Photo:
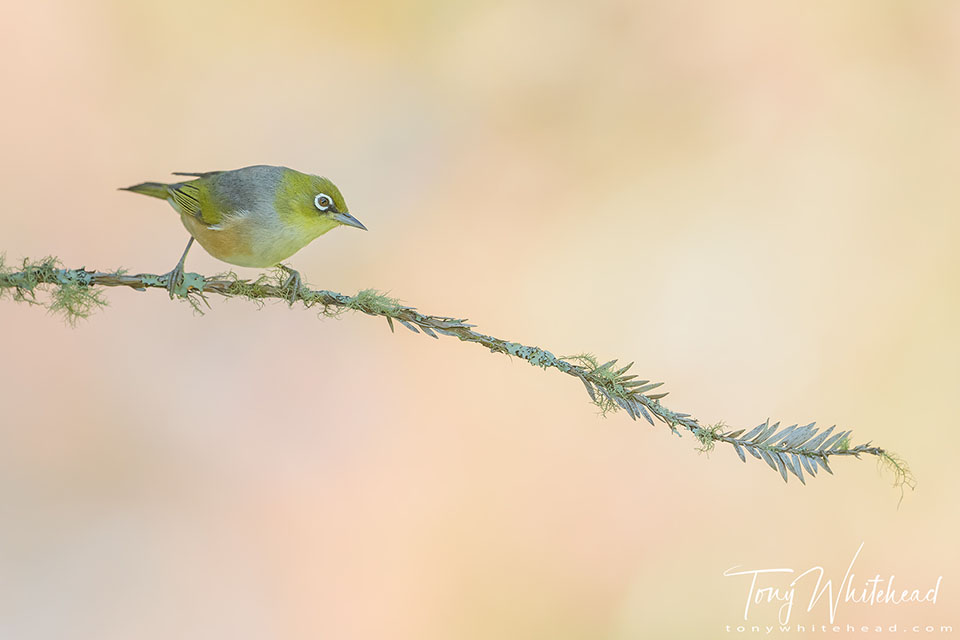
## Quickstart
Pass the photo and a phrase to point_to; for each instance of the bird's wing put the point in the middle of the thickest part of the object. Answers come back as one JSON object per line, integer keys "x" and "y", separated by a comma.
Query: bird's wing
{"x": 199, "y": 174}
{"x": 215, "y": 195}
{"x": 193, "y": 198}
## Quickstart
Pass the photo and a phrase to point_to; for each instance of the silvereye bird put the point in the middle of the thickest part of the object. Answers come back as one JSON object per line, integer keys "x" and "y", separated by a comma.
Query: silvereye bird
{"x": 252, "y": 217}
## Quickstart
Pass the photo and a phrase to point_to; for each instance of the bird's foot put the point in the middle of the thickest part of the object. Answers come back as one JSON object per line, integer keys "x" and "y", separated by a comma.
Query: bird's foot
{"x": 175, "y": 280}
{"x": 176, "y": 284}
{"x": 293, "y": 285}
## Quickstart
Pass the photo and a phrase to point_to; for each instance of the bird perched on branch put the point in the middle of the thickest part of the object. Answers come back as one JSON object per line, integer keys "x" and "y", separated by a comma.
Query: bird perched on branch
{"x": 252, "y": 217}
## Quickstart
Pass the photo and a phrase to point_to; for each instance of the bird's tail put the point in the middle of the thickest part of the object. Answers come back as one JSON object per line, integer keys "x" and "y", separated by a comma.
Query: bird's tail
{"x": 152, "y": 189}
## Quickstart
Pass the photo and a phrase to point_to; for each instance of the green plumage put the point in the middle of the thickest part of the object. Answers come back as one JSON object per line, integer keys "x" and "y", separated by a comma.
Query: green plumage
{"x": 255, "y": 216}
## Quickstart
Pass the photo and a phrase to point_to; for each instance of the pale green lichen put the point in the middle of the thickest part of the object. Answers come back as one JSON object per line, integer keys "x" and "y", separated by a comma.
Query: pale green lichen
{"x": 607, "y": 376}
{"x": 605, "y": 372}
{"x": 150, "y": 280}
{"x": 708, "y": 436}
{"x": 534, "y": 355}
{"x": 237, "y": 287}
{"x": 5, "y": 273}
{"x": 75, "y": 302}
{"x": 903, "y": 477}
{"x": 75, "y": 294}
{"x": 191, "y": 282}
{"x": 588, "y": 361}
{"x": 71, "y": 295}
{"x": 541, "y": 358}
{"x": 373, "y": 302}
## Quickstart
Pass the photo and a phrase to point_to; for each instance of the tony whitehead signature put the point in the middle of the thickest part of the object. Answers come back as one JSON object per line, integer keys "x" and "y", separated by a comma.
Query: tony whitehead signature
{"x": 873, "y": 591}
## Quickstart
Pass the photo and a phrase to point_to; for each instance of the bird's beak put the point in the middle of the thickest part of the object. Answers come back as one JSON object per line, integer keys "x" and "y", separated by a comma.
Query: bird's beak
{"x": 349, "y": 220}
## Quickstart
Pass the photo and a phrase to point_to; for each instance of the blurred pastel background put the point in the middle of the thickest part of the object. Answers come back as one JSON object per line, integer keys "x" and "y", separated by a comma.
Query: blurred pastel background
{"x": 755, "y": 201}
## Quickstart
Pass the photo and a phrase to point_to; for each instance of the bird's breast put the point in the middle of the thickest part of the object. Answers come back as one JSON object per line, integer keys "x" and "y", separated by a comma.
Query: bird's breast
{"x": 248, "y": 239}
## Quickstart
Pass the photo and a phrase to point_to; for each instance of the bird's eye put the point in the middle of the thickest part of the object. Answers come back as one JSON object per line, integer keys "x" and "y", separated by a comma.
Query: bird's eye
{"x": 323, "y": 201}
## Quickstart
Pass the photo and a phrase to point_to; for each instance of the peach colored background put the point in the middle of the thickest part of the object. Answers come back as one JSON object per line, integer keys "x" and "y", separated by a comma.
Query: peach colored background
{"x": 755, "y": 201}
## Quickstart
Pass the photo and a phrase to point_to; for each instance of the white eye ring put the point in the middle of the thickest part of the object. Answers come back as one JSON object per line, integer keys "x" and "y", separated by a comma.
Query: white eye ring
{"x": 323, "y": 201}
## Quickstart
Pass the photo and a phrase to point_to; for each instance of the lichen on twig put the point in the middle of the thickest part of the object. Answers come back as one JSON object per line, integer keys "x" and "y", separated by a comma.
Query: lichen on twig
{"x": 802, "y": 451}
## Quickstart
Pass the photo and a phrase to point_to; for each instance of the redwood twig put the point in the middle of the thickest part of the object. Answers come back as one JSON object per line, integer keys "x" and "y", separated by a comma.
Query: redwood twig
{"x": 793, "y": 449}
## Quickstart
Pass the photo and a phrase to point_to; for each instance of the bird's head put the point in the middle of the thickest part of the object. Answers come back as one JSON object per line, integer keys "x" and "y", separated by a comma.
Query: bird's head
{"x": 312, "y": 203}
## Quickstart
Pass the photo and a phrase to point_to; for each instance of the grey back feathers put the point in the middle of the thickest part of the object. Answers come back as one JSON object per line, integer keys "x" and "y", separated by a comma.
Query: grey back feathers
{"x": 231, "y": 193}
{"x": 251, "y": 188}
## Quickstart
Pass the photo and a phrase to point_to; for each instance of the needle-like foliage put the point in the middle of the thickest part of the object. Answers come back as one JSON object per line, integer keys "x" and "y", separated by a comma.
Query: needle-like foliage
{"x": 801, "y": 451}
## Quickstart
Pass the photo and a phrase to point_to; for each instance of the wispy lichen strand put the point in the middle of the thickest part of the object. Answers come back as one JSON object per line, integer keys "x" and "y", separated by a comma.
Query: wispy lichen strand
{"x": 802, "y": 451}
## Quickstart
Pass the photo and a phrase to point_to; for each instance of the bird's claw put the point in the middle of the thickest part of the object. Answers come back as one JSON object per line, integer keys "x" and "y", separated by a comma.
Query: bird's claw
{"x": 293, "y": 284}
{"x": 174, "y": 280}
